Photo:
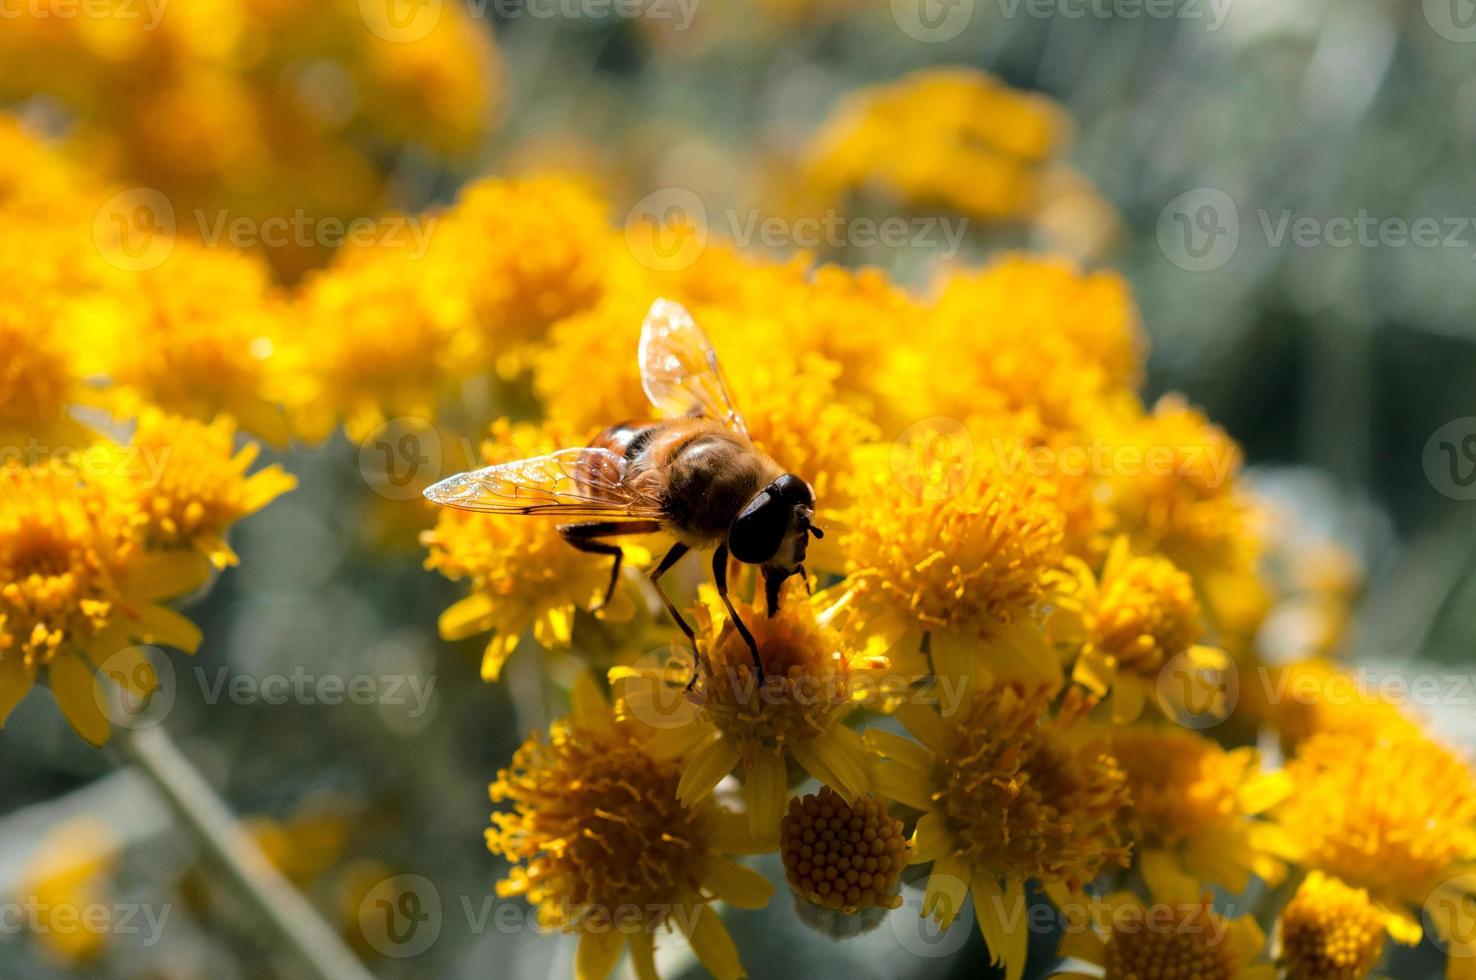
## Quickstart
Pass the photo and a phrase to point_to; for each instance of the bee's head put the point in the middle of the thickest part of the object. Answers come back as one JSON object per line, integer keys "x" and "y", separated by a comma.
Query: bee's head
{"x": 774, "y": 527}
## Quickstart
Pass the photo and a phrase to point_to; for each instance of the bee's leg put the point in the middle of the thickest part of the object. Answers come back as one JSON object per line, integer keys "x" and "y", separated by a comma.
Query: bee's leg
{"x": 720, "y": 576}
{"x": 672, "y": 557}
{"x": 583, "y": 536}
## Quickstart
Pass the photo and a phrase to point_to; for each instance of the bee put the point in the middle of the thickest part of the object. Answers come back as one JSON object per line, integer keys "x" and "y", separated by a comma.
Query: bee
{"x": 693, "y": 473}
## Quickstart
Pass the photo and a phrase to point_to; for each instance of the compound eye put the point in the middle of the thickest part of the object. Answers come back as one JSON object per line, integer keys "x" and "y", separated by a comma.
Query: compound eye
{"x": 758, "y": 531}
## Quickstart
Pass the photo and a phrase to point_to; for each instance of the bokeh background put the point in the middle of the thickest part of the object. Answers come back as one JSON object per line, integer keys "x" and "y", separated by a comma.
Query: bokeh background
{"x": 1182, "y": 144}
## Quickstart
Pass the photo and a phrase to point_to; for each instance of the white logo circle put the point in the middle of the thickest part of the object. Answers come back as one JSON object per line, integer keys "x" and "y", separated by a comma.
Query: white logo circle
{"x": 134, "y": 230}
{"x": 932, "y": 21}
{"x": 401, "y": 21}
{"x": 1449, "y": 459}
{"x": 921, "y": 935}
{"x": 1454, "y": 20}
{"x": 401, "y": 916}
{"x": 1199, "y": 690}
{"x": 667, "y": 229}
{"x": 401, "y": 457}
{"x": 1199, "y": 230}
{"x": 136, "y": 687}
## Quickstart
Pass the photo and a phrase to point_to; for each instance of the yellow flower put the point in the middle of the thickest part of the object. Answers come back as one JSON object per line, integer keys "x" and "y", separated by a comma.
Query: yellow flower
{"x": 811, "y": 682}
{"x": 1329, "y": 931}
{"x": 66, "y": 884}
{"x": 189, "y": 483}
{"x": 528, "y": 253}
{"x": 969, "y": 571}
{"x": 1176, "y": 936}
{"x": 1182, "y": 495}
{"x": 1195, "y": 806}
{"x": 1009, "y": 793}
{"x": 40, "y": 376}
{"x": 523, "y": 574}
{"x": 1384, "y": 810}
{"x": 381, "y": 336}
{"x": 602, "y": 846}
{"x": 950, "y": 137}
{"x": 1127, "y": 623}
{"x": 200, "y": 335}
{"x": 78, "y": 592}
{"x": 842, "y": 856}
{"x": 1023, "y": 335}
{"x": 1315, "y": 696}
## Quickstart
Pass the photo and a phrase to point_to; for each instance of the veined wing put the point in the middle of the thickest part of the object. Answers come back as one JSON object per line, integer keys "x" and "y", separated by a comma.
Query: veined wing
{"x": 680, "y": 370}
{"x": 568, "y": 483}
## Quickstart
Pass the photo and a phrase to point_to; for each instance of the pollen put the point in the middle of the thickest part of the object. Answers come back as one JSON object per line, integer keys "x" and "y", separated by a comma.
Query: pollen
{"x": 973, "y": 562}
{"x": 61, "y": 548}
{"x": 1178, "y": 945}
{"x": 190, "y": 484}
{"x": 1388, "y": 811}
{"x": 842, "y": 857}
{"x": 595, "y": 825}
{"x": 807, "y": 681}
{"x": 1330, "y": 931}
{"x": 1146, "y": 613}
{"x": 1029, "y": 797}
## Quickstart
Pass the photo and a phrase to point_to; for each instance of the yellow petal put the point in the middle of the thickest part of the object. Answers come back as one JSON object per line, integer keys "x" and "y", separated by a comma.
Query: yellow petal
{"x": 731, "y": 882}
{"x": 766, "y": 786}
{"x": 156, "y": 624}
{"x": 947, "y": 886}
{"x": 728, "y": 834}
{"x": 74, "y": 686}
{"x": 1128, "y": 698}
{"x": 499, "y": 648}
{"x": 167, "y": 574}
{"x": 131, "y": 669}
{"x": 643, "y": 955}
{"x": 955, "y": 656}
{"x": 1166, "y": 881}
{"x": 598, "y": 954}
{"x": 712, "y": 760}
{"x": 925, "y": 724}
{"x": 15, "y": 684}
{"x": 468, "y": 617}
{"x": 904, "y": 784}
{"x": 1095, "y": 671}
{"x": 710, "y": 941}
{"x": 588, "y": 706}
{"x": 904, "y": 750}
{"x": 931, "y": 840}
{"x": 838, "y": 759}
{"x": 988, "y": 902}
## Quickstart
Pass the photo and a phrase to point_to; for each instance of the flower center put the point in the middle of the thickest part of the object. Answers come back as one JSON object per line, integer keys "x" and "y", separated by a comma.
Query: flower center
{"x": 596, "y": 824}
{"x": 1025, "y": 802}
{"x": 1183, "y": 950}
{"x": 845, "y": 857}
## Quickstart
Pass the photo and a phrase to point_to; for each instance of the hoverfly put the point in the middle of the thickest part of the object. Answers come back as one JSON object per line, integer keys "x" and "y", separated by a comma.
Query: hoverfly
{"x": 693, "y": 473}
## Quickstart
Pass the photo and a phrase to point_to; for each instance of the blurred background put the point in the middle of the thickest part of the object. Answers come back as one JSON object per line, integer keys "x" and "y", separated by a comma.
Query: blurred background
{"x": 1286, "y": 184}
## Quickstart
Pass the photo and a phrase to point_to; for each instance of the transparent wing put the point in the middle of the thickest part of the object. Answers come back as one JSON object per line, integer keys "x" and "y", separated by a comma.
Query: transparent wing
{"x": 680, "y": 370}
{"x": 567, "y": 483}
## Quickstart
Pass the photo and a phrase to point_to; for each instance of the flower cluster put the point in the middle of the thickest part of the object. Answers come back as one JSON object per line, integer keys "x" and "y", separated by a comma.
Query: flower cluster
{"x": 1010, "y": 656}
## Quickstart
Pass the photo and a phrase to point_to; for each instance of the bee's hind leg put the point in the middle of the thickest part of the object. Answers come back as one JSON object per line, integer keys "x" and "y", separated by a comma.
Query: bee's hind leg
{"x": 720, "y": 576}
{"x": 585, "y": 537}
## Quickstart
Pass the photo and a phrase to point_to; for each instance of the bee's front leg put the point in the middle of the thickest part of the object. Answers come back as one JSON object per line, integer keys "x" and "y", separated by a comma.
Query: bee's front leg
{"x": 720, "y": 576}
